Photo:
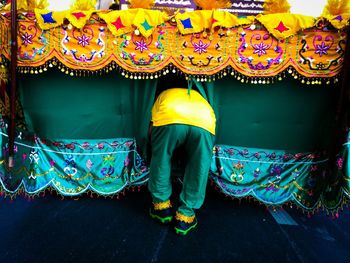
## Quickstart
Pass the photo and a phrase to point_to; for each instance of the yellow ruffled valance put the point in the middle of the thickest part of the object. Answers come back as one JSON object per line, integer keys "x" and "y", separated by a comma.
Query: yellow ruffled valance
{"x": 146, "y": 21}
{"x": 285, "y": 25}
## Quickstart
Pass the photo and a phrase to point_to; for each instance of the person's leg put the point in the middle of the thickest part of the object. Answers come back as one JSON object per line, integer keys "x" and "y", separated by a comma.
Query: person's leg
{"x": 199, "y": 147}
{"x": 164, "y": 139}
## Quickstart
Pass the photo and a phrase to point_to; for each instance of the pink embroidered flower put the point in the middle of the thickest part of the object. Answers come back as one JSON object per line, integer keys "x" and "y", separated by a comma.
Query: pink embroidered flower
{"x": 86, "y": 145}
{"x": 157, "y": 44}
{"x": 89, "y": 164}
{"x": 141, "y": 45}
{"x": 83, "y": 40}
{"x": 70, "y": 146}
{"x": 314, "y": 168}
{"x": 52, "y": 163}
{"x": 239, "y": 165}
{"x": 340, "y": 163}
{"x": 27, "y": 39}
{"x": 200, "y": 47}
{"x": 100, "y": 145}
{"x": 260, "y": 48}
{"x": 126, "y": 162}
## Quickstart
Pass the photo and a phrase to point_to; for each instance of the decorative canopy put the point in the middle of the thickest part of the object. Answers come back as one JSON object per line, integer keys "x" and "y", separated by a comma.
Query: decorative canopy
{"x": 148, "y": 43}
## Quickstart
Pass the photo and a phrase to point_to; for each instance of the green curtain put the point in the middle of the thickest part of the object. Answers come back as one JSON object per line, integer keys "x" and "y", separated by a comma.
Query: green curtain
{"x": 284, "y": 115}
{"x": 95, "y": 107}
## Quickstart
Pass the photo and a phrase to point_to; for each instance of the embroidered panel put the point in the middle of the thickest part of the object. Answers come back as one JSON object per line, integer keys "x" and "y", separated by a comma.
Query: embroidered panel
{"x": 141, "y": 44}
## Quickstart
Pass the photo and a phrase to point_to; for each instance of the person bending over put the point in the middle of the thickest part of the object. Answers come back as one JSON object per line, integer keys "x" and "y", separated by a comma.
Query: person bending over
{"x": 180, "y": 117}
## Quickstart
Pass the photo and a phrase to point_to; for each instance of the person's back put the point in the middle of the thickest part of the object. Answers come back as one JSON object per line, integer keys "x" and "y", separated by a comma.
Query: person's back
{"x": 179, "y": 106}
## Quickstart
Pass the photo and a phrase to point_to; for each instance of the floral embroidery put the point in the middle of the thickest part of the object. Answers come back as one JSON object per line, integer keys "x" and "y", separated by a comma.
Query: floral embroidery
{"x": 83, "y": 40}
{"x": 323, "y": 45}
{"x": 266, "y": 42}
{"x": 27, "y": 38}
{"x": 257, "y": 172}
{"x": 340, "y": 163}
{"x": 237, "y": 172}
{"x": 200, "y": 47}
{"x": 260, "y": 48}
{"x": 141, "y": 45}
{"x": 89, "y": 164}
{"x": 52, "y": 163}
{"x": 322, "y": 49}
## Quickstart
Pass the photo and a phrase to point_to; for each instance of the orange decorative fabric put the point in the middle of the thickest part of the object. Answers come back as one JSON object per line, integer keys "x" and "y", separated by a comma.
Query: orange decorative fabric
{"x": 244, "y": 51}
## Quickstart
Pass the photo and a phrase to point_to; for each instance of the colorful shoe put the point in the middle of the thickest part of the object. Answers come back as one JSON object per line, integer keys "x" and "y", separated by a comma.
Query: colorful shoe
{"x": 184, "y": 224}
{"x": 161, "y": 212}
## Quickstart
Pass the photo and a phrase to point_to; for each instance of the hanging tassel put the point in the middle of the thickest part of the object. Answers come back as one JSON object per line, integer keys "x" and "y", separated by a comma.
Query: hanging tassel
{"x": 146, "y": 4}
{"x": 276, "y": 6}
{"x": 336, "y": 7}
{"x": 215, "y": 4}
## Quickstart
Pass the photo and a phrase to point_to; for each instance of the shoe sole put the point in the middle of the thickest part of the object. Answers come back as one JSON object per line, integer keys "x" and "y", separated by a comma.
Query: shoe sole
{"x": 163, "y": 220}
{"x": 184, "y": 232}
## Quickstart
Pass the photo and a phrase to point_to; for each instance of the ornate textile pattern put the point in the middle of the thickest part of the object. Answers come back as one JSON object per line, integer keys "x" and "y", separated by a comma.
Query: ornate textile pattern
{"x": 272, "y": 177}
{"x": 71, "y": 167}
{"x": 146, "y": 45}
{"x": 107, "y": 167}
{"x": 339, "y": 184}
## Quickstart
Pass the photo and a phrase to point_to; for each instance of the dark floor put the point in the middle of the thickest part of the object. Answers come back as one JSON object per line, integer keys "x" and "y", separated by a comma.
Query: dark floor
{"x": 49, "y": 229}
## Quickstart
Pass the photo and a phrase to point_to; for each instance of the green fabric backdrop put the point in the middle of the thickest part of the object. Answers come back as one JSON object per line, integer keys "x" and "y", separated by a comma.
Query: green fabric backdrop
{"x": 284, "y": 115}
{"x": 271, "y": 142}
{"x": 94, "y": 107}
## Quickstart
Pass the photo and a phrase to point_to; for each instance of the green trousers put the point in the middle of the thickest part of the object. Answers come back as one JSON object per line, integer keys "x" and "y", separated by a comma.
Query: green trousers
{"x": 198, "y": 144}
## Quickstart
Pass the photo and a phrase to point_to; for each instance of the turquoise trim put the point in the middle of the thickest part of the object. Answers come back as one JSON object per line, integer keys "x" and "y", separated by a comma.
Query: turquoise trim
{"x": 105, "y": 167}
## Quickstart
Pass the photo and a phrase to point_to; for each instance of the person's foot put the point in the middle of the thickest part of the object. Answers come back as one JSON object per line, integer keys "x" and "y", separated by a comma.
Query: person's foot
{"x": 161, "y": 212}
{"x": 184, "y": 224}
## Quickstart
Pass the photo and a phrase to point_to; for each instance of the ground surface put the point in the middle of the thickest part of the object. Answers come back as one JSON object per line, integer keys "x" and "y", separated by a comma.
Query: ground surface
{"x": 49, "y": 229}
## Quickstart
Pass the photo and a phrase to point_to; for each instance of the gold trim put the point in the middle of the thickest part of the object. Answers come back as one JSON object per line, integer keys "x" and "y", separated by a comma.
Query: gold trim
{"x": 183, "y": 218}
{"x": 162, "y": 205}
